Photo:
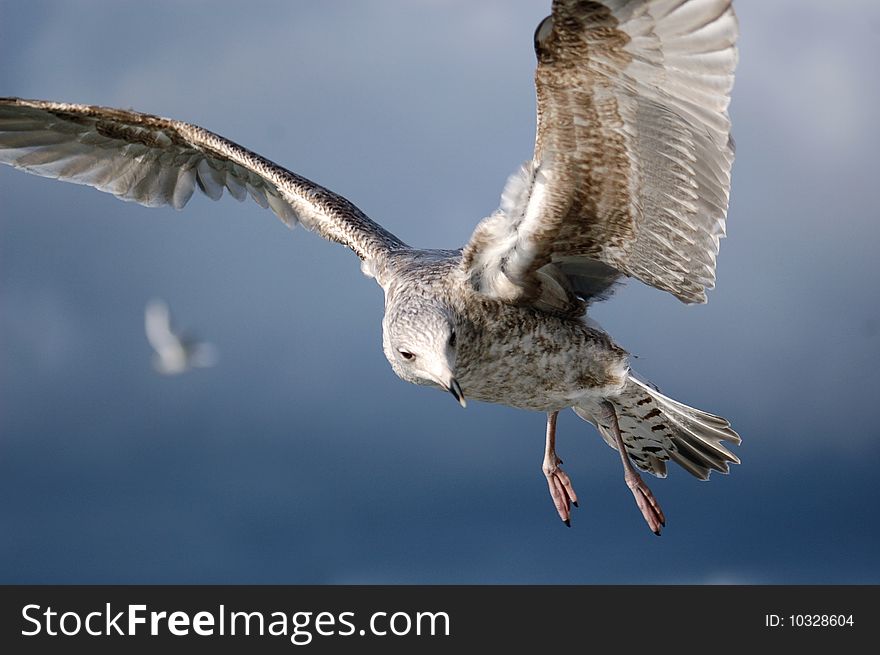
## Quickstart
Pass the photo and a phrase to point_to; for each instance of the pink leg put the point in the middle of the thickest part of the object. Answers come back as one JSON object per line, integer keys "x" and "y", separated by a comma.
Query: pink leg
{"x": 648, "y": 505}
{"x": 557, "y": 480}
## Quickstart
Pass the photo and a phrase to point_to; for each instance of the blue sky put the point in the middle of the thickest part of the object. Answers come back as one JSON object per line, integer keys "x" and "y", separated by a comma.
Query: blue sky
{"x": 301, "y": 458}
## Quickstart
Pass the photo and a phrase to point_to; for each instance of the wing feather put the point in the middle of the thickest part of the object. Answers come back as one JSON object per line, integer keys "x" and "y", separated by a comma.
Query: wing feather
{"x": 157, "y": 161}
{"x": 631, "y": 170}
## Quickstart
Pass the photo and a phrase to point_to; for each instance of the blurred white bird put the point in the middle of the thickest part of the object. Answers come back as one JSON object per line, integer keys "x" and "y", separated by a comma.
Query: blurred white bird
{"x": 176, "y": 352}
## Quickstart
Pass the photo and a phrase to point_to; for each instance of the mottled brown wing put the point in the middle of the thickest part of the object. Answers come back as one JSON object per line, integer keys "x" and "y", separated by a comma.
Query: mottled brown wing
{"x": 158, "y": 161}
{"x": 631, "y": 170}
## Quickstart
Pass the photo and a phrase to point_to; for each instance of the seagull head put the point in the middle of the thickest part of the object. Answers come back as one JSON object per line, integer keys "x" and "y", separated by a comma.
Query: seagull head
{"x": 420, "y": 342}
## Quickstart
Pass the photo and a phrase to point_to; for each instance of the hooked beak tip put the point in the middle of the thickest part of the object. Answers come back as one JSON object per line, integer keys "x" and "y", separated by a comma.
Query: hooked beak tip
{"x": 455, "y": 390}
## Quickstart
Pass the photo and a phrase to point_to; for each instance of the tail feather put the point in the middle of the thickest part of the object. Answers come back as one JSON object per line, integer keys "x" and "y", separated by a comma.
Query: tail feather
{"x": 656, "y": 428}
{"x": 694, "y": 459}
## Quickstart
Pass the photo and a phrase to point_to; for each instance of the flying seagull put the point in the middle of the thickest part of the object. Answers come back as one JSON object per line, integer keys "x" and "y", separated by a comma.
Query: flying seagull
{"x": 630, "y": 177}
{"x": 175, "y": 352}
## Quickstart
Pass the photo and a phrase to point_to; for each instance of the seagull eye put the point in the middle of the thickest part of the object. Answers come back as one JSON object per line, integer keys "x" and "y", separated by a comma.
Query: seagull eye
{"x": 406, "y": 354}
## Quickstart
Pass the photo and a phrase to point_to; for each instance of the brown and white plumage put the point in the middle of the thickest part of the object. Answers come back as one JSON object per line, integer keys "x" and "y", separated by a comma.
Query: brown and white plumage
{"x": 157, "y": 161}
{"x": 631, "y": 170}
{"x": 630, "y": 177}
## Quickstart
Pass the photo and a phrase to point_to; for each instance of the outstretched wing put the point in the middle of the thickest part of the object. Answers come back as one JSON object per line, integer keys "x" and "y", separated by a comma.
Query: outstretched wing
{"x": 631, "y": 170}
{"x": 157, "y": 161}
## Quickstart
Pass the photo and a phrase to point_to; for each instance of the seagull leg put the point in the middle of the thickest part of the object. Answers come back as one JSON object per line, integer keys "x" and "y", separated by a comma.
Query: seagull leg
{"x": 648, "y": 505}
{"x": 557, "y": 480}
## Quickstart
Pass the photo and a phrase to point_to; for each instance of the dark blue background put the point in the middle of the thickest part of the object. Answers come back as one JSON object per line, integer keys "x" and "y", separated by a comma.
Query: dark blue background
{"x": 301, "y": 458}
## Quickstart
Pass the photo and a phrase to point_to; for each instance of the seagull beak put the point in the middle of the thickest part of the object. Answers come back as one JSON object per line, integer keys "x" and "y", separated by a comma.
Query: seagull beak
{"x": 455, "y": 389}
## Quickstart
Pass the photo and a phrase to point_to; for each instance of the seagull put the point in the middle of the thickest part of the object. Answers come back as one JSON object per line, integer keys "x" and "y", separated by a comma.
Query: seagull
{"x": 175, "y": 352}
{"x": 630, "y": 178}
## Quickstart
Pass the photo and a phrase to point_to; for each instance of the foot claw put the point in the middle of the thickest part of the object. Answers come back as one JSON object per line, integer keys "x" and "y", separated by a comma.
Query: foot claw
{"x": 567, "y": 523}
{"x": 645, "y": 500}
{"x": 561, "y": 491}
{"x": 647, "y": 504}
